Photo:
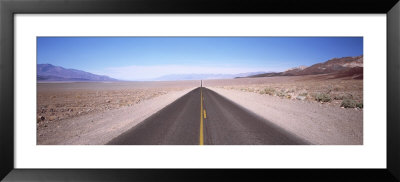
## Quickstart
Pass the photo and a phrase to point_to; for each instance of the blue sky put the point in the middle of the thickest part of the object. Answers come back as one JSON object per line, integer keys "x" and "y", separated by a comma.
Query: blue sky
{"x": 142, "y": 58}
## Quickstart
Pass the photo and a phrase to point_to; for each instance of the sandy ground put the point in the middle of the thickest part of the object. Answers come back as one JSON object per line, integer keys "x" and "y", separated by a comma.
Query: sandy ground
{"x": 99, "y": 128}
{"x": 298, "y": 87}
{"x": 58, "y": 101}
{"x": 315, "y": 122}
{"x": 94, "y": 113}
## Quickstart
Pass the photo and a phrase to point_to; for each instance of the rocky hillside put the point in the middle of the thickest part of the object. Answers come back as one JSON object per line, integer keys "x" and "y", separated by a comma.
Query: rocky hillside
{"x": 330, "y": 66}
{"x": 340, "y": 67}
{"x": 294, "y": 71}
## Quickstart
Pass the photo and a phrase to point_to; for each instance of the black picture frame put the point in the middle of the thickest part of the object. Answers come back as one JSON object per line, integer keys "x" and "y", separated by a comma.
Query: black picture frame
{"x": 8, "y": 8}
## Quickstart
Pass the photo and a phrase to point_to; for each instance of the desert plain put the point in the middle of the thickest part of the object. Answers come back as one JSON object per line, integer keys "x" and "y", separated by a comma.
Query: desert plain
{"x": 320, "y": 109}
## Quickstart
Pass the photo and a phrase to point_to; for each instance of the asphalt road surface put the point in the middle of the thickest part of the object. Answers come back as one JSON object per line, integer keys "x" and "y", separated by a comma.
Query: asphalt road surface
{"x": 206, "y": 118}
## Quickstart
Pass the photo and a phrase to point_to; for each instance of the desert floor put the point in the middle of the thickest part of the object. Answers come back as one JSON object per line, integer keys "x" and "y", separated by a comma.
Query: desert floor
{"x": 94, "y": 112}
{"x": 309, "y": 107}
{"x": 317, "y": 108}
{"x": 317, "y": 88}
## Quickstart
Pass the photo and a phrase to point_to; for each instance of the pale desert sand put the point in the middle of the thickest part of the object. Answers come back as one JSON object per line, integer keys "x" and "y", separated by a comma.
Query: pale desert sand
{"x": 315, "y": 122}
{"x": 100, "y": 128}
{"x": 62, "y": 100}
{"x": 94, "y": 113}
{"x": 306, "y": 87}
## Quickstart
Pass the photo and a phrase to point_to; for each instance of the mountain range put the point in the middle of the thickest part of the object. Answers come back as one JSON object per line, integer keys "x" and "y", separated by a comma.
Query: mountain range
{"x": 204, "y": 76}
{"x": 340, "y": 67}
{"x": 49, "y": 72}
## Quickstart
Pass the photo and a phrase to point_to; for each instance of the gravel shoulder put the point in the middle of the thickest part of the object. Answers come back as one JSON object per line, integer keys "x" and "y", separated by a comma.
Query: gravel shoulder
{"x": 314, "y": 122}
{"x": 100, "y": 127}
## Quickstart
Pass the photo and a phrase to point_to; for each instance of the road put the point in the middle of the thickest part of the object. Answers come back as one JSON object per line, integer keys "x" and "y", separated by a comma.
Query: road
{"x": 206, "y": 118}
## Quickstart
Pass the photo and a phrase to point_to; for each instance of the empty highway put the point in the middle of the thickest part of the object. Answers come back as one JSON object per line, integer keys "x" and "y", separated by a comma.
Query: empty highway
{"x": 203, "y": 117}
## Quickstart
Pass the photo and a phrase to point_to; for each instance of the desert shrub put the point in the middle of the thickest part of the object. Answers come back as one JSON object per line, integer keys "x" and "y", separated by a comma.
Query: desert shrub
{"x": 322, "y": 97}
{"x": 40, "y": 118}
{"x": 343, "y": 96}
{"x": 269, "y": 91}
{"x": 360, "y": 105}
{"x": 303, "y": 94}
{"x": 281, "y": 94}
{"x": 290, "y": 91}
{"x": 328, "y": 90}
{"x": 348, "y": 103}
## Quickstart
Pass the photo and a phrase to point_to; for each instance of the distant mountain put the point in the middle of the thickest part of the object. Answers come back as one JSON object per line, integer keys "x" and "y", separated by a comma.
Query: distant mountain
{"x": 346, "y": 66}
{"x": 48, "y": 72}
{"x": 270, "y": 74}
{"x": 203, "y": 76}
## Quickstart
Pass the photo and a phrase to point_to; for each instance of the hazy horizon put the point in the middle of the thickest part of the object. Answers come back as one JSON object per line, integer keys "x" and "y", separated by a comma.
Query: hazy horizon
{"x": 148, "y": 58}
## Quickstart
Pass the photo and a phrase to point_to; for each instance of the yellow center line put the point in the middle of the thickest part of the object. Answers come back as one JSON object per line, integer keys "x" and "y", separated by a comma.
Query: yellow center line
{"x": 205, "y": 115}
{"x": 201, "y": 118}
